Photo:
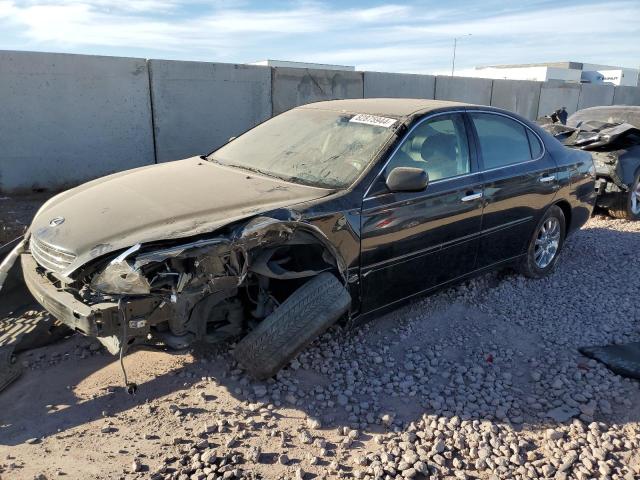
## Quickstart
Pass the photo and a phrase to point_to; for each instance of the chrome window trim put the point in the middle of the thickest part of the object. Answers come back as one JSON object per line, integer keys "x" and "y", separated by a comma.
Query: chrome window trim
{"x": 434, "y": 115}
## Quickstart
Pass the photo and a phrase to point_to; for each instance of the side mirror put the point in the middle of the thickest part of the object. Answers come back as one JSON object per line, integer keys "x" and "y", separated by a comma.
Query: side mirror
{"x": 407, "y": 179}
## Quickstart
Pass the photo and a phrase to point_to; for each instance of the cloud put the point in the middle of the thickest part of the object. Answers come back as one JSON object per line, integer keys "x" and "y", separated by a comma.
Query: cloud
{"x": 7, "y": 9}
{"x": 412, "y": 37}
{"x": 620, "y": 17}
{"x": 111, "y": 5}
{"x": 382, "y": 13}
{"x": 120, "y": 23}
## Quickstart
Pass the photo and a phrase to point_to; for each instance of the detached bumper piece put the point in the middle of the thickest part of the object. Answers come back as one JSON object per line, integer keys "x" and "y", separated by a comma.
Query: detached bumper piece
{"x": 19, "y": 330}
{"x": 9, "y": 367}
{"x": 622, "y": 360}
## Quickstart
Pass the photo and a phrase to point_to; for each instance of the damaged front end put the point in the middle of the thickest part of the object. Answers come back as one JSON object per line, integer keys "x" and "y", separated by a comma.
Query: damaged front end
{"x": 210, "y": 288}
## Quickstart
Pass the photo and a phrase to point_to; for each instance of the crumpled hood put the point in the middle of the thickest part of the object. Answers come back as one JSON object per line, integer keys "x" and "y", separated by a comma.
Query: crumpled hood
{"x": 165, "y": 201}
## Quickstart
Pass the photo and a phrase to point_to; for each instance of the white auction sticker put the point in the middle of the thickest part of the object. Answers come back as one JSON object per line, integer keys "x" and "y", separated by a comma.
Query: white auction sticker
{"x": 373, "y": 120}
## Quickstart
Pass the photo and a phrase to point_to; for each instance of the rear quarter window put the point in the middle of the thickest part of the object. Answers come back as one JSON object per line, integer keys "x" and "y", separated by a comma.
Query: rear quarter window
{"x": 534, "y": 144}
{"x": 504, "y": 141}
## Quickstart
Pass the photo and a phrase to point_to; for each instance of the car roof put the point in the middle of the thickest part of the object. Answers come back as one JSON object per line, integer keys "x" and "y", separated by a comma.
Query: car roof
{"x": 396, "y": 107}
{"x": 608, "y": 114}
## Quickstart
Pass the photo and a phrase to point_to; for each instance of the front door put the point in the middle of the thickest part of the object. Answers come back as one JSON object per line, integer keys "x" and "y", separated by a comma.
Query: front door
{"x": 414, "y": 241}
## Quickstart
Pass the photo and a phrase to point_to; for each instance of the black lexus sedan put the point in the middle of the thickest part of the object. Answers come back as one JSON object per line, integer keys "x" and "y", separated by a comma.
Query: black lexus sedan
{"x": 332, "y": 210}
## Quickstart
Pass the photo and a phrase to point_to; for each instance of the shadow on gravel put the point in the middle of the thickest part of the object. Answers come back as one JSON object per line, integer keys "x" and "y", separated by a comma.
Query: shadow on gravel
{"x": 484, "y": 350}
{"x": 43, "y": 403}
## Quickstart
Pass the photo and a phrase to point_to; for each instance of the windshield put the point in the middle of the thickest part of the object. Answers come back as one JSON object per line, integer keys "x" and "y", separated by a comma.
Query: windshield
{"x": 315, "y": 147}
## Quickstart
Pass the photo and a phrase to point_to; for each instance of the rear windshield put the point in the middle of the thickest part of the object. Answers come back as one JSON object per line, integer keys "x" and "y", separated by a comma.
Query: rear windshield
{"x": 314, "y": 147}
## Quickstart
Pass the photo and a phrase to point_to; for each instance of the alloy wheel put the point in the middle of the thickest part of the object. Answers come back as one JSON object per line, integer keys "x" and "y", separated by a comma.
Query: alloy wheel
{"x": 635, "y": 199}
{"x": 547, "y": 242}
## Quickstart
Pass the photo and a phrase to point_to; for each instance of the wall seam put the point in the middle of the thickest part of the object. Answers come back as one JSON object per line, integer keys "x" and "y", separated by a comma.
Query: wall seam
{"x": 273, "y": 81}
{"x": 152, "y": 109}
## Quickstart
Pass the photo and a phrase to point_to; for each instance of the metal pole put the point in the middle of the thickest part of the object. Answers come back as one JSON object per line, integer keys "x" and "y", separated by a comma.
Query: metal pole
{"x": 455, "y": 44}
{"x": 453, "y": 61}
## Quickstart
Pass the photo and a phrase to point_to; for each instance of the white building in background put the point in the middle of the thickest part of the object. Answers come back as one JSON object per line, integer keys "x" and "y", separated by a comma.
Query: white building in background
{"x": 565, "y": 71}
{"x": 594, "y": 73}
{"x": 317, "y": 66}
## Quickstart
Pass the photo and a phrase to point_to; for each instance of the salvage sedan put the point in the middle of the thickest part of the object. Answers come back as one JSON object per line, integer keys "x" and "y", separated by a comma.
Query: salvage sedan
{"x": 332, "y": 210}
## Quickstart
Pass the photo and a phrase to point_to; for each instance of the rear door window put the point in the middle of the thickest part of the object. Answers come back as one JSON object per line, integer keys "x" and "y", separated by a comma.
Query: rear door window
{"x": 503, "y": 141}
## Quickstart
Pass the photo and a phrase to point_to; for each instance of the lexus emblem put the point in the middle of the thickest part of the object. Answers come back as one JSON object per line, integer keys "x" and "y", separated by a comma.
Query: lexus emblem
{"x": 56, "y": 221}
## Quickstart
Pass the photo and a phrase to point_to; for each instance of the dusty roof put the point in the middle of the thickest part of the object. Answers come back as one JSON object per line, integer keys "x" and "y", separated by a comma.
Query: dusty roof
{"x": 398, "y": 107}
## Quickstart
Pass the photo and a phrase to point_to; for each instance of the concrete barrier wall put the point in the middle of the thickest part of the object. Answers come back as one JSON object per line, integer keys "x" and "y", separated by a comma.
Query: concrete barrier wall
{"x": 291, "y": 87}
{"x": 595, "y": 95}
{"x": 463, "y": 89}
{"x": 198, "y": 106}
{"x": 626, "y": 96}
{"x": 65, "y": 118}
{"x": 554, "y": 95}
{"x": 519, "y": 96}
{"x": 398, "y": 85}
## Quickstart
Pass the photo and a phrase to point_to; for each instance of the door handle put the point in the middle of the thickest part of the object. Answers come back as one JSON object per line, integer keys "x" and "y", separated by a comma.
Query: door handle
{"x": 472, "y": 197}
{"x": 548, "y": 179}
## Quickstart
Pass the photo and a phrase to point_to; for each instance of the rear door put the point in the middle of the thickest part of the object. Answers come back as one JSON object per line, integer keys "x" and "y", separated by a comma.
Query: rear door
{"x": 520, "y": 181}
{"x": 414, "y": 241}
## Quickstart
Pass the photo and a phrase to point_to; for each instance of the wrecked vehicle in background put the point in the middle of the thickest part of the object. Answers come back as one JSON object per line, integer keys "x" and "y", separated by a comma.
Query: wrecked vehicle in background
{"x": 328, "y": 210}
{"x": 612, "y": 135}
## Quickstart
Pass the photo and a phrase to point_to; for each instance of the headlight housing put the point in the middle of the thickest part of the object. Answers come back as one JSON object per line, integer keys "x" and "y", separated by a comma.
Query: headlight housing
{"x": 121, "y": 278}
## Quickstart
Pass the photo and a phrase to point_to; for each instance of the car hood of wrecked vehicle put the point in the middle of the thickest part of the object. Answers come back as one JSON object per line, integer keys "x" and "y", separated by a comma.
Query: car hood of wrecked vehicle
{"x": 159, "y": 202}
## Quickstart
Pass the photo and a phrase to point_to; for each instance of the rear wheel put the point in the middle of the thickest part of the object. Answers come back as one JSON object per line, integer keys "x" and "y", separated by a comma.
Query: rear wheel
{"x": 301, "y": 318}
{"x": 627, "y": 205}
{"x": 545, "y": 244}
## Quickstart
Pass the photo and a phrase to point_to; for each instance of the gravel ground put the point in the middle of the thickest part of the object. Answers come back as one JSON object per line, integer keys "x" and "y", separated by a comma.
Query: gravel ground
{"x": 480, "y": 381}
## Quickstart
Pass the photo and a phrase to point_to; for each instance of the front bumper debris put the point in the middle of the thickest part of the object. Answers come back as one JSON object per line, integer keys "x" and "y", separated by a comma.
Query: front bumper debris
{"x": 17, "y": 247}
{"x": 95, "y": 320}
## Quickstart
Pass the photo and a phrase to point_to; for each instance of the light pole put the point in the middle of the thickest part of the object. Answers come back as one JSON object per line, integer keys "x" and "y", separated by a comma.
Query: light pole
{"x": 455, "y": 44}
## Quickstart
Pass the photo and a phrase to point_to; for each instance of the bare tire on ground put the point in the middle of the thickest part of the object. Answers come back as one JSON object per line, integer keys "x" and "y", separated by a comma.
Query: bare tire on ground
{"x": 301, "y": 318}
{"x": 545, "y": 244}
{"x": 627, "y": 205}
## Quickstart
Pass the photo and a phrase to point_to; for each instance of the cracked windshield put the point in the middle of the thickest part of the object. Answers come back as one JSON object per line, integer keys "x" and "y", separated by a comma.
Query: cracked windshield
{"x": 313, "y": 147}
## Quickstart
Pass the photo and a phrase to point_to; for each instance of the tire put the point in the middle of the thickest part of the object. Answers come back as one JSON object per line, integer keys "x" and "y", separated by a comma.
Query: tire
{"x": 301, "y": 318}
{"x": 530, "y": 266}
{"x": 627, "y": 205}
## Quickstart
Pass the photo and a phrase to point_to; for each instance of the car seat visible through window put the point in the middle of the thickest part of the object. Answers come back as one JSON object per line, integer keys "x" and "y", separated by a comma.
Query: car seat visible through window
{"x": 438, "y": 146}
{"x": 439, "y": 153}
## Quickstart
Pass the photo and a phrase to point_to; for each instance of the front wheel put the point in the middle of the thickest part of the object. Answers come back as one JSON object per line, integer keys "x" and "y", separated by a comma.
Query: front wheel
{"x": 302, "y": 317}
{"x": 627, "y": 205}
{"x": 545, "y": 244}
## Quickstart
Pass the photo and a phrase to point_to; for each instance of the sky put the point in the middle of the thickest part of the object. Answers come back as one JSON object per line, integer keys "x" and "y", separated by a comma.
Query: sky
{"x": 413, "y": 36}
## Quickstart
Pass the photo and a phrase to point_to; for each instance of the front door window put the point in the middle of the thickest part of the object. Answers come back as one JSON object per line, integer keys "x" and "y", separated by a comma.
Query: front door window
{"x": 438, "y": 145}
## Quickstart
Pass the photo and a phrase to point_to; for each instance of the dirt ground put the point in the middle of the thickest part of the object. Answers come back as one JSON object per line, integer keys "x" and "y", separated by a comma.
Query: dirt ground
{"x": 471, "y": 382}
{"x": 16, "y": 213}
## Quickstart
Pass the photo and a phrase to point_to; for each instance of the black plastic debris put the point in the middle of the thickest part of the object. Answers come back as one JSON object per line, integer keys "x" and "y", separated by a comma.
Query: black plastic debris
{"x": 620, "y": 359}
